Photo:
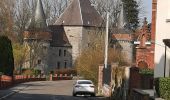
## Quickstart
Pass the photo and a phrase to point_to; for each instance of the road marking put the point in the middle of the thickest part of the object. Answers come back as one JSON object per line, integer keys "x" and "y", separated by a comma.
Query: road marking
{"x": 13, "y": 92}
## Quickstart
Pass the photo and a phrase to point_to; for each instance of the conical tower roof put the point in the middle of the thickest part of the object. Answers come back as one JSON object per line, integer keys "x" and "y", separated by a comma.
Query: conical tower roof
{"x": 38, "y": 20}
{"x": 80, "y": 13}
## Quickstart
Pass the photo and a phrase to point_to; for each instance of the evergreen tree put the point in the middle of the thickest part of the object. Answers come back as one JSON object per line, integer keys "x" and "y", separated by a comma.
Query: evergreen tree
{"x": 131, "y": 13}
{"x": 6, "y": 56}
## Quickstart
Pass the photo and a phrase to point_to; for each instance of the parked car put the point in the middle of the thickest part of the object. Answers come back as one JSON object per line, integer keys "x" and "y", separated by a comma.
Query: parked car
{"x": 83, "y": 87}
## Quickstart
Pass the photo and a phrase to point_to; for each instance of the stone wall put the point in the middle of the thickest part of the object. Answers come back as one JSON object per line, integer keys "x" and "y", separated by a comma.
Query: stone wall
{"x": 59, "y": 58}
{"x": 74, "y": 35}
{"x": 81, "y": 38}
{"x": 8, "y": 81}
{"x": 119, "y": 84}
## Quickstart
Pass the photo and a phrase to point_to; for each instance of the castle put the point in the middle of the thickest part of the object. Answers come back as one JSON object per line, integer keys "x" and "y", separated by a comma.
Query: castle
{"x": 57, "y": 46}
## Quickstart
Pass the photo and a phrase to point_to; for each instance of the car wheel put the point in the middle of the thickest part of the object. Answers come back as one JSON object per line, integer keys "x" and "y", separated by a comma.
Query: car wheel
{"x": 74, "y": 94}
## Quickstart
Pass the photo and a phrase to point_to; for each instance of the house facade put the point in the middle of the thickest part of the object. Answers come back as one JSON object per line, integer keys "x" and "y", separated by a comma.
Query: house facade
{"x": 162, "y": 54}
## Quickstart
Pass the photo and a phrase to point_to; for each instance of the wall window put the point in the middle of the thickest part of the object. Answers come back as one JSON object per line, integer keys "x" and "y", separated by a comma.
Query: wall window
{"x": 58, "y": 65}
{"x": 88, "y": 44}
{"x": 59, "y": 52}
{"x": 65, "y": 64}
{"x": 39, "y": 61}
{"x": 65, "y": 52}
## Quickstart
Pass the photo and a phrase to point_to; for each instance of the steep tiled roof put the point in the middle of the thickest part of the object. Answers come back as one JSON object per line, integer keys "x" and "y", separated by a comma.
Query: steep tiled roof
{"x": 122, "y": 37}
{"x": 38, "y": 20}
{"x": 80, "y": 13}
{"x": 59, "y": 37}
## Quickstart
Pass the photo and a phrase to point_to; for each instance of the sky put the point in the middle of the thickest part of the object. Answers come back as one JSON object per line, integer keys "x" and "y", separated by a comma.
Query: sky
{"x": 147, "y": 5}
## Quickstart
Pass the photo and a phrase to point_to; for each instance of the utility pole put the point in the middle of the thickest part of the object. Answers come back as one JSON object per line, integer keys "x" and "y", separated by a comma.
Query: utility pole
{"x": 106, "y": 38}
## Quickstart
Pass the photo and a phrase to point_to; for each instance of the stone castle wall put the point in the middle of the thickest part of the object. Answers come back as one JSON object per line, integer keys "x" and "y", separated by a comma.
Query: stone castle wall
{"x": 80, "y": 38}
{"x": 59, "y": 58}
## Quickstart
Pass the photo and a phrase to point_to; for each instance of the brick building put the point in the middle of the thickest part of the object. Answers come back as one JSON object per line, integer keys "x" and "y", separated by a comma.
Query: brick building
{"x": 144, "y": 48}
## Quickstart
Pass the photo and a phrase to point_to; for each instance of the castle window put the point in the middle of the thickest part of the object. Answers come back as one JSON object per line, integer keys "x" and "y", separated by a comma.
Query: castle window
{"x": 65, "y": 52}
{"x": 65, "y": 64}
{"x": 39, "y": 61}
{"x": 58, "y": 65}
{"x": 88, "y": 44}
{"x": 59, "y": 52}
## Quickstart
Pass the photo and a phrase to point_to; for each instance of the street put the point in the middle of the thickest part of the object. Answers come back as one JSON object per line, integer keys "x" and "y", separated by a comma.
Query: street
{"x": 49, "y": 90}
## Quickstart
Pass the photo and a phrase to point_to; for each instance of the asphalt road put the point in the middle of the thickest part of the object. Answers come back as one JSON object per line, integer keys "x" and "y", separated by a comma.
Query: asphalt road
{"x": 49, "y": 90}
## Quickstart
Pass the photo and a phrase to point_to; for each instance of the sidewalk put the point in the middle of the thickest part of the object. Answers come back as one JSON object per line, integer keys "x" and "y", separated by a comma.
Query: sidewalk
{"x": 4, "y": 93}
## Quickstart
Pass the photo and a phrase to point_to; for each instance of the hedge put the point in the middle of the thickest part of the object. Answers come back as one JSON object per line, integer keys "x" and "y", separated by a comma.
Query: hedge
{"x": 146, "y": 71}
{"x": 162, "y": 86}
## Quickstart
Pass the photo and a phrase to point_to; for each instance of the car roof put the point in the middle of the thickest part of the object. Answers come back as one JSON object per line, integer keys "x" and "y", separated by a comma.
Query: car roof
{"x": 83, "y": 80}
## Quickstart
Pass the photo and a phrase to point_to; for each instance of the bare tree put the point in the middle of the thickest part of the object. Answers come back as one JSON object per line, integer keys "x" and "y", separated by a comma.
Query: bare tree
{"x": 25, "y": 8}
{"x": 112, "y": 6}
{"x": 6, "y": 16}
{"x": 53, "y": 9}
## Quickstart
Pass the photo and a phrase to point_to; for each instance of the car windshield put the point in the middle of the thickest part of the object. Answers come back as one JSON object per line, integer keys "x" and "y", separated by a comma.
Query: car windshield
{"x": 84, "y": 82}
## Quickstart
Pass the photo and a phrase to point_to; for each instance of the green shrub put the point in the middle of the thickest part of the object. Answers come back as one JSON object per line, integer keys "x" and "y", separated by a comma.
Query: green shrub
{"x": 162, "y": 86}
{"x": 6, "y": 56}
{"x": 37, "y": 72}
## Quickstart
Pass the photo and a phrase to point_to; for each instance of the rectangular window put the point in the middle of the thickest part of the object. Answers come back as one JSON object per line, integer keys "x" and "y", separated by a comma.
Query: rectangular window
{"x": 59, "y": 52}
{"x": 88, "y": 44}
{"x": 39, "y": 61}
{"x": 58, "y": 65}
{"x": 65, "y": 52}
{"x": 65, "y": 64}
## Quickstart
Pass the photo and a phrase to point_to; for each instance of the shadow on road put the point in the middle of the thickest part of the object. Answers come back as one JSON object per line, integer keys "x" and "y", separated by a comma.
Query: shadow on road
{"x": 23, "y": 96}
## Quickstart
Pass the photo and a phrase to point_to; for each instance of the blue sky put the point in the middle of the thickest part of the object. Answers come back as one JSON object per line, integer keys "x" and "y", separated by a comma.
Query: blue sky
{"x": 147, "y": 7}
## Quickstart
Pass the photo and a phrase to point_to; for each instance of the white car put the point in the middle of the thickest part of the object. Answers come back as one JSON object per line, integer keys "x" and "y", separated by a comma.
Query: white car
{"x": 83, "y": 87}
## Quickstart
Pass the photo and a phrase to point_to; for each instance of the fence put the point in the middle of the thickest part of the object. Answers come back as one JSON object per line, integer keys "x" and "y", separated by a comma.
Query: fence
{"x": 8, "y": 81}
{"x": 61, "y": 77}
{"x": 139, "y": 82}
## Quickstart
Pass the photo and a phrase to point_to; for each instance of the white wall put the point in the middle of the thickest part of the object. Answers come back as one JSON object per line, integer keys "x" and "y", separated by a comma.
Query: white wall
{"x": 162, "y": 32}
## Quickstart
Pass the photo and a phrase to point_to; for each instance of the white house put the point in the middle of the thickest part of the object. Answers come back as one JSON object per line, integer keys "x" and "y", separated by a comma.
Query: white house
{"x": 162, "y": 55}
